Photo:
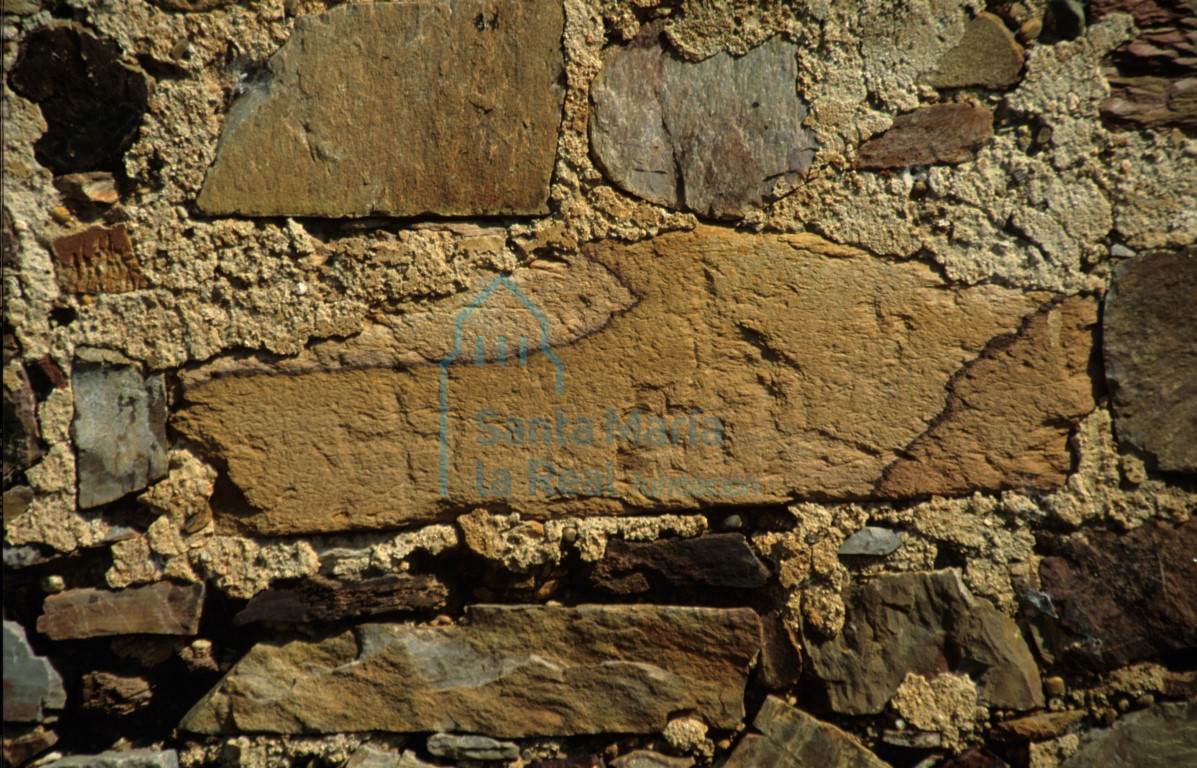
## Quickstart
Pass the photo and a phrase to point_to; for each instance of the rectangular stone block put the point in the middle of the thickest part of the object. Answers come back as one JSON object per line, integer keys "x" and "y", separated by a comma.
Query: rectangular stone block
{"x": 163, "y": 608}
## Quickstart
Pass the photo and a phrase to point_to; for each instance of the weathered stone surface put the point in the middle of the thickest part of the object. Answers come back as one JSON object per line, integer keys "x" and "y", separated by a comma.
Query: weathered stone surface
{"x": 871, "y": 541}
{"x": 642, "y": 758}
{"x": 344, "y": 126}
{"x": 1154, "y": 80}
{"x": 22, "y": 436}
{"x": 162, "y": 608}
{"x": 790, "y": 738}
{"x": 20, "y": 748}
{"x": 369, "y": 757}
{"x": 1038, "y": 727}
{"x": 987, "y": 55}
{"x": 133, "y": 758}
{"x": 1150, "y": 347}
{"x": 780, "y": 664}
{"x": 717, "y": 136}
{"x": 1125, "y": 597}
{"x": 975, "y": 758}
{"x": 94, "y": 187}
{"x": 903, "y": 623}
{"x": 468, "y": 747}
{"x": 716, "y": 560}
{"x": 822, "y": 366}
{"x": 31, "y": 684}
{"x": 512, "y": 671}
{"x": 588, "y": 761}
{"x": 193, "y": 6}
{"x": 943, "y": 134}
{"x": 97, "y": 260}
{"x": 320, "y": 599}
{"x": 115, "y": 695}
{"x": 119, "y": 427}
{"x": 1163, "y": 736}
{"x": 967, "y": 448}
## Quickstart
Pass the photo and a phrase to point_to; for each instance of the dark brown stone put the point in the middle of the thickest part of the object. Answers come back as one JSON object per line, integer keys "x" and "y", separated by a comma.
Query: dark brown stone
{"x": 94, "y": 187}
{"x": 22, "y": 436}
{"x": 1123, "y": 597}
{"x": 115, "y": 695}
{"x": 1163, "y": 736}
{"x": 20, "y": 748}
{"x": 780, "y": 664}
{"x": 97, "y": 260}
{"x": 320, "y": 599}
{"x": 1154, "y": 79}
{"x": 944, "y": 134}
{"x": 192, "y": 6}
{"x": 157, "y": 609}
{"x": 975, "y": 758}
{"x": 1150, "y": 347}
{"x": 587, "y": 761}
{"x": 717, "y": 560}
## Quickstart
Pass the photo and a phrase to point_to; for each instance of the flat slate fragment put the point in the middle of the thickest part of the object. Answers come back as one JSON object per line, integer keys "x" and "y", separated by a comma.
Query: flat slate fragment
{"x": 162, "y": 608}
{"x": 31, "y": 684}
{"x": 1149, "y": 333}
{"x": 321, "y": 599}
{"x": 790, "y": 738}
{"x": 716, "y": 560}
{"x": 509, "y": 672}
{"x": 399, "y": 109}
{"x": 823, "y": 364}
{"x": 943, "y": 134}
{"x": 1163, "y": 736}
{"x": 1124, "y": 597}
{"x": 716, "y": 137}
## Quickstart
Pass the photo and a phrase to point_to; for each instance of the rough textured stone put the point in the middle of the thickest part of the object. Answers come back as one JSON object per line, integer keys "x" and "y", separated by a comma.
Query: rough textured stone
{"x": 94, "y": 187}
{"x": 967, "y": 448}
{"x": 587, "y": 761}
{"x": 119, "y": 427}
{"x": 1153, "y": 82}
{"x": 871, "y": 541}
{"x": 987, "y": 55}
{"x": 458, "y": 747}
{"x": 717, "y": 560}
{"x": 944, "y": 134}
{"x": 1123, "y": 597}
{"x": 97, "y": 260}
{"x": 133, "y": 758}
{"x": 780, "y": 664}
{"x": 822, "y": 365}
{"x": 20, "y": 748}
{"x": 320, "y": 599}
{"x": 716, "y": 136}
{"x": 1163, "y": 736}
{"x": 22, "y": 436}
{"x": 1038, "y": 727}
{"x": 642, "y": 758}
{"x": 790, "y": 738}
{"x": 512, "y": 671}
{"x": 1150, "y": 348}
{"x": 157, "y": 609}
{"x": 115, "y": 695}
{"x": 975, "y": 758}
{"x": 297, "y": 142}
{"x": 904, "y": 623}
{"x": 192, "y": 6}
{"x": 31, "y": 684}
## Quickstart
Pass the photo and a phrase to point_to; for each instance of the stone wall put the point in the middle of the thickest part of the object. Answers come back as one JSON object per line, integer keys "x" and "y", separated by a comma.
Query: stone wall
{"x": 579, "y": 383}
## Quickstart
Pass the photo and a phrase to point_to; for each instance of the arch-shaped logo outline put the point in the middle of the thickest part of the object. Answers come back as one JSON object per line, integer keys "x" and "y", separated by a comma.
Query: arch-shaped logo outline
{"x": 458, "y": 325}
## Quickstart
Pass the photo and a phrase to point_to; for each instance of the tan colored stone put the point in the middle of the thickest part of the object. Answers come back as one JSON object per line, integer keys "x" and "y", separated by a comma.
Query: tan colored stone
{"x": 158, "y": 609}
{"x": 821, "y": 364}
{"x": 97, "y": 260}
{"x": 1042, "y": 367}
{"x": 941, "y": 134}
{"x": 509, "y": 672}
{"x": 399, "y": 109}
{"x": 987, "y": 55}
{"x": 1038, "y": 727}
{"x": 793, "y": 739}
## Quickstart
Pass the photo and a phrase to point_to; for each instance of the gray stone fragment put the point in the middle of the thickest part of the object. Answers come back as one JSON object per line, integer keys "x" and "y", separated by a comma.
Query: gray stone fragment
{"x": 1150, "y": 346}
{"x": 367, "y": 756}
{"x": 716, "y": 137}
{"x": 1163, "y": 736}
{"x": 790, "y": 738}
{"x": 134, "y": 758}
{"x": 871, "y": 540}
{"x": 31, "y": 684}
{"x": 643, "y": 758}
{"x": 119, "y": 427}
{"x": 469, "y": 747}
{"x": 399, "y": 109}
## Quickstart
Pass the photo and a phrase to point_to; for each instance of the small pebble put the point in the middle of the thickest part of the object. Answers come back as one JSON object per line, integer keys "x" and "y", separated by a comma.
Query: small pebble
{"x": 732, "y": 523}
{"x": 1146, "y": 700}
{"x": 569, "y": 535}
{"x": 1030, "y": 30}
{"x": 53, "y": 584}
{"x": 1120, "y": 251}
{"x": 1054, "y": 686}
{"x": 60, "y": 214}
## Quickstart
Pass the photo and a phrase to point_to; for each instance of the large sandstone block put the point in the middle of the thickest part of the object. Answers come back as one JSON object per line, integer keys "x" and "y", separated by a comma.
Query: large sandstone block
{"x": 698, "y": 368}
{"x": 510, "y": 672}
{"x": 399, "y": 109}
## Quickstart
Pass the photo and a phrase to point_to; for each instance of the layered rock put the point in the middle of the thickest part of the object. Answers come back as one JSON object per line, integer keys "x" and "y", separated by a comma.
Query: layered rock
{"x": 162, "y": 608}
{"x": 1163, "y": 736}
{"x": 342, "y": 124}
{"x": 716, "y": 137}
{"x": 792, "y": 367}
{"x": 719, "y": 560}
{"x": 31, "y": 684}
{"x": 944, "y": 134}
{"x": 790, "y": 738}
{"x": 512, "y": 671}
